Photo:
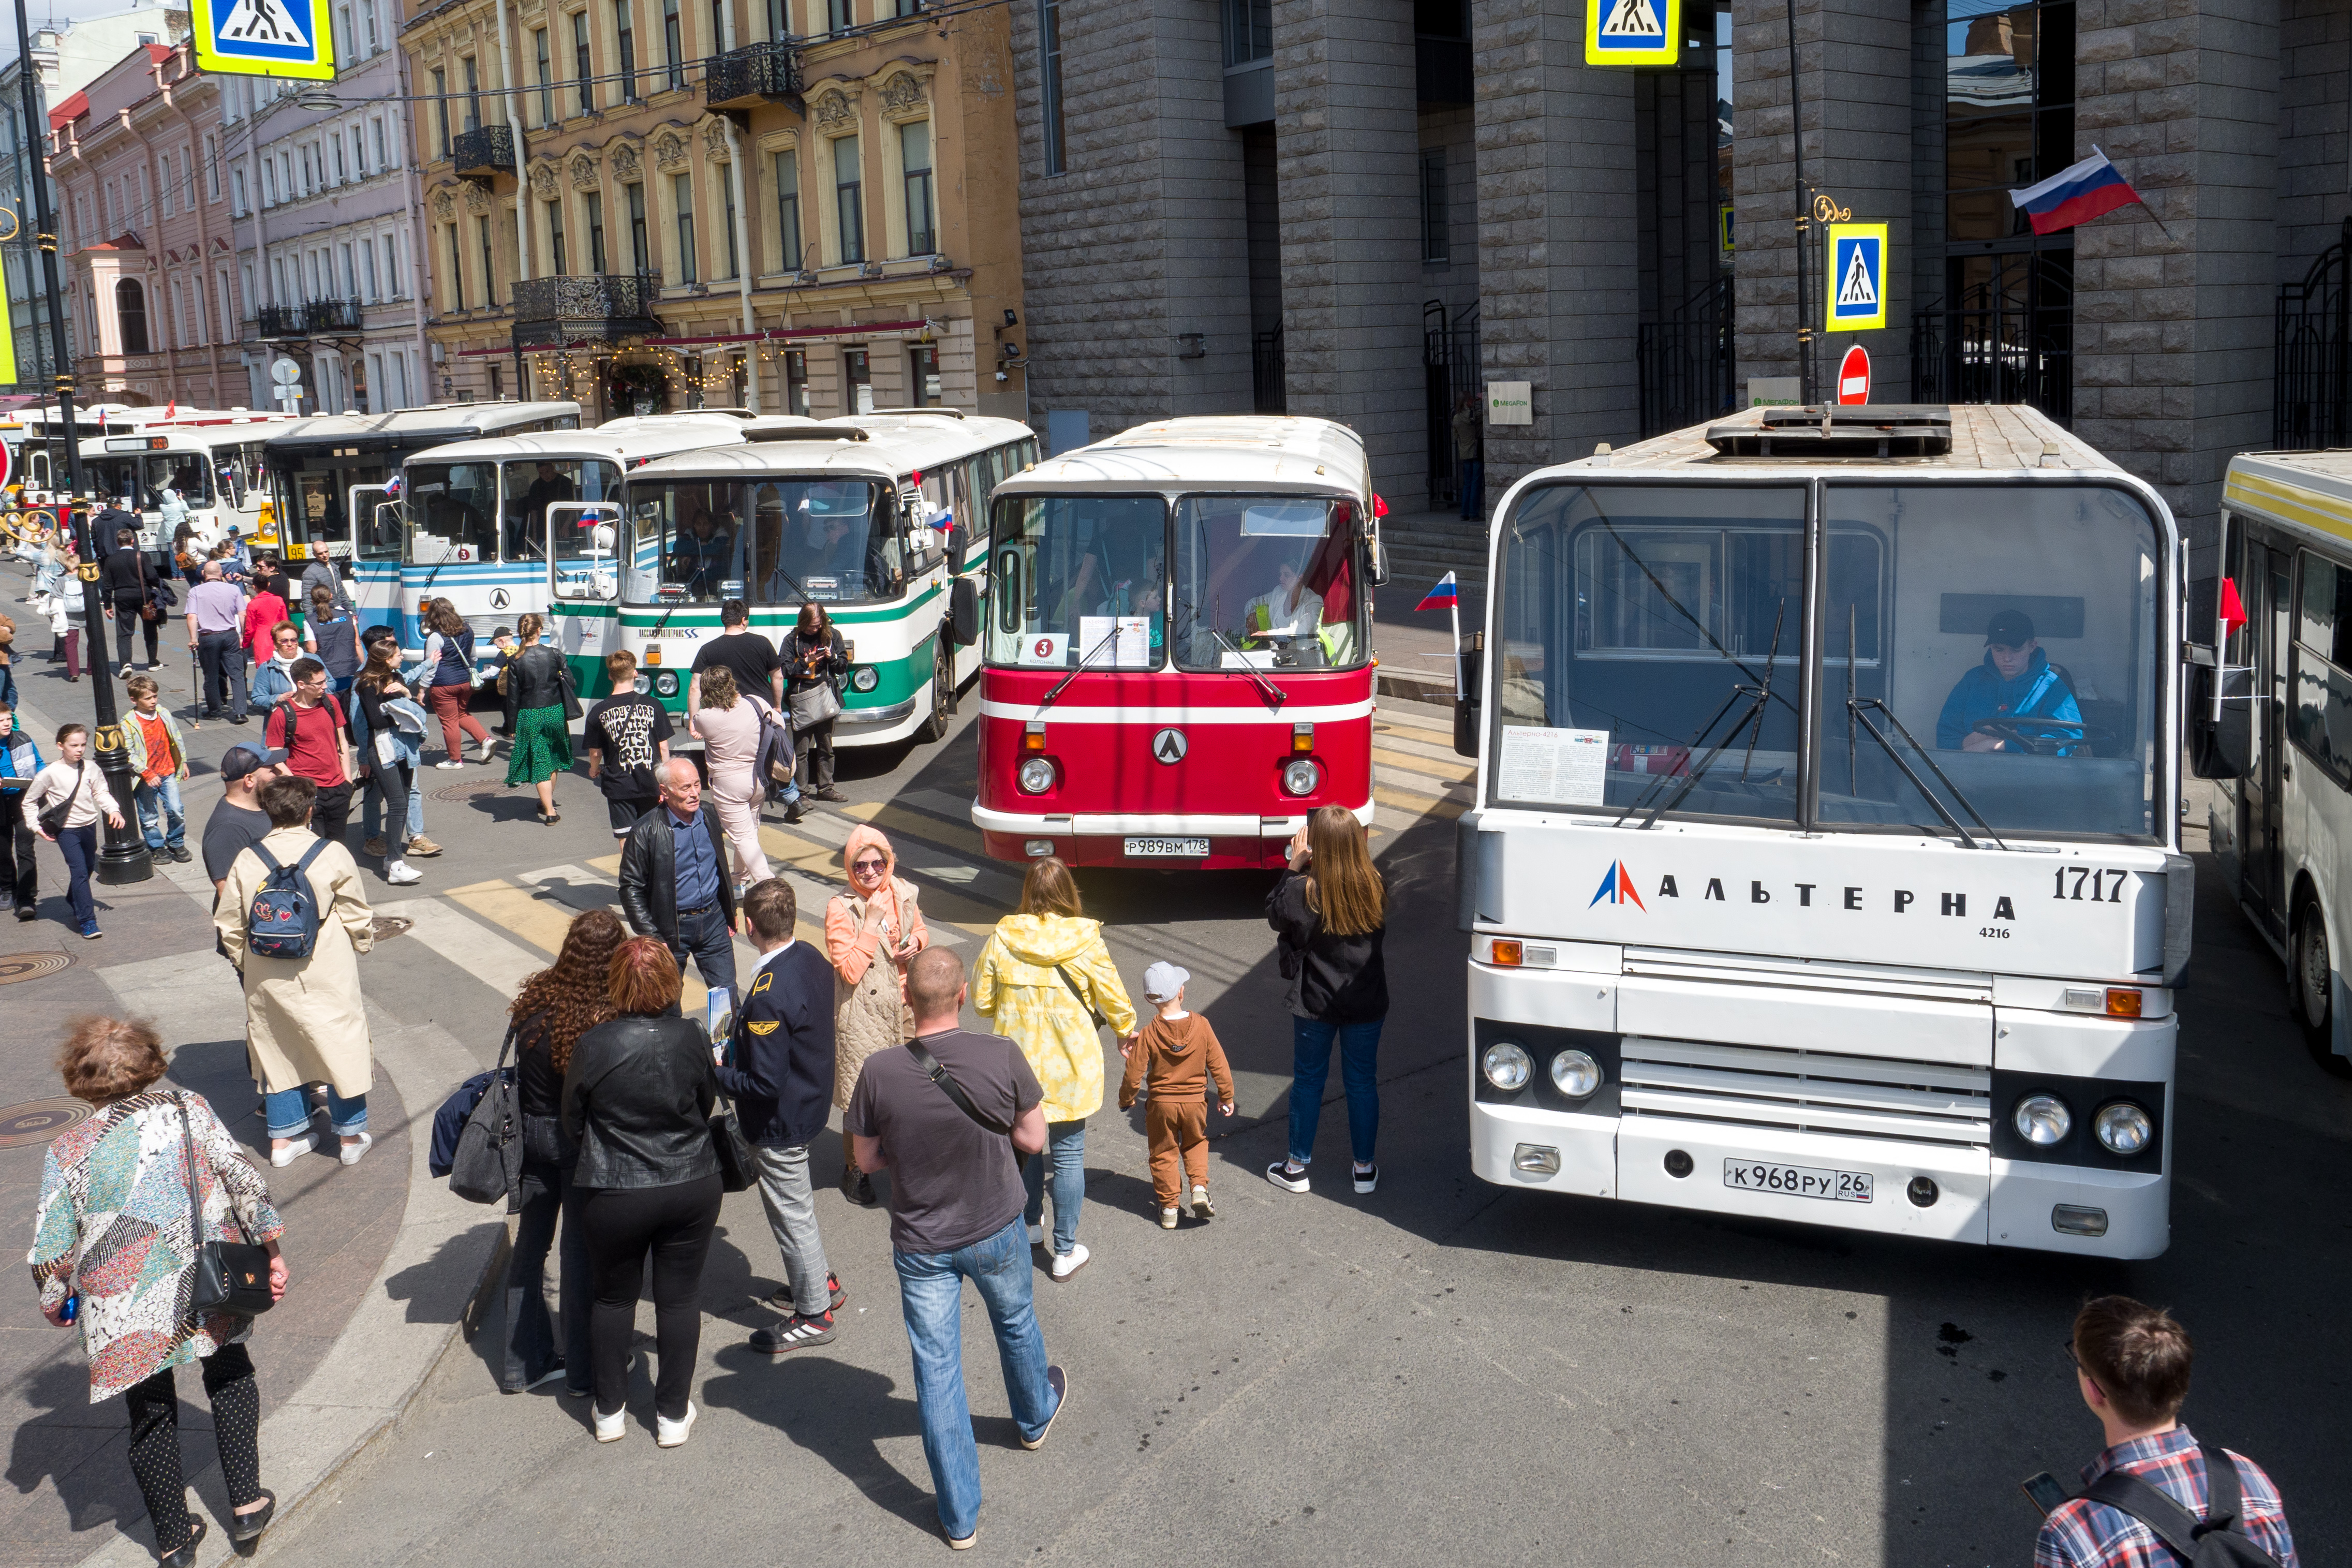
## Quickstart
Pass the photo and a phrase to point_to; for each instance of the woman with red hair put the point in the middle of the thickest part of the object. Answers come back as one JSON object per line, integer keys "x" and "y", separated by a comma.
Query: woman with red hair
{"x": 638, "y": 1094}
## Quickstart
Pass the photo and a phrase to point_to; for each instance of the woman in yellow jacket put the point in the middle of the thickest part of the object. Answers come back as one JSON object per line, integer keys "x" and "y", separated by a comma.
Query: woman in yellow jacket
{"x": 1047, "y": 982}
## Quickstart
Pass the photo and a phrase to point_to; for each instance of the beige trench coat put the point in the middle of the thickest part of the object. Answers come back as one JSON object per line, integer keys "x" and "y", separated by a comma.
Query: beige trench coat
{"x": 304, "y": 1022}
{"x": 870, "y": 1015}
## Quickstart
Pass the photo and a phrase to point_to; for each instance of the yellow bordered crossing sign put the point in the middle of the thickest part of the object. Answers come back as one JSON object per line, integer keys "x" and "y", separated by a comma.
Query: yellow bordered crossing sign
{"x": 1633, "y": 32}
{"x": 1856, "y": 278}
{"x": 265, "y": 37}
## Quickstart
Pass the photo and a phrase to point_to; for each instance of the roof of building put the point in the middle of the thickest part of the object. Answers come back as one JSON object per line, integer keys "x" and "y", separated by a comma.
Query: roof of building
{"x": 1263, "y": 452}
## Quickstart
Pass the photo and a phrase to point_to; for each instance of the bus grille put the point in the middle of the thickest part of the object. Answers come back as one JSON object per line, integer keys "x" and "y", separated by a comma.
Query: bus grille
{"x": 1813, "y": 1091}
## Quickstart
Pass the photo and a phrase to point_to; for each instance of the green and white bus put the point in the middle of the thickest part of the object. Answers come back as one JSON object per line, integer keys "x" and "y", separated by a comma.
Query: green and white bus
{"x": 878, "y": 517}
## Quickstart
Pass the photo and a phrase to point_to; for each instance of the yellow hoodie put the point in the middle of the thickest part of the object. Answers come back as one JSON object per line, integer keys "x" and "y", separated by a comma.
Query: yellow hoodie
{"x": 1017, "y": 986}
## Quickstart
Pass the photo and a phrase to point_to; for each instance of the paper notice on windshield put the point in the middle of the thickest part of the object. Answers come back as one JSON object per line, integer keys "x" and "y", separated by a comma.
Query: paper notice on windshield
{"x": 1563, "y": 767}
{"x": 1130, "y": 641}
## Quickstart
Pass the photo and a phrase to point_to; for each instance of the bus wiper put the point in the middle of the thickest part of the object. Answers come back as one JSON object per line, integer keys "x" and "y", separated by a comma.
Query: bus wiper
{"x": 1855, "y": 709}
{"x": 1275, "y": 695}
{"x": 1088, "y": 659}
{"x": 1758, "y": 696}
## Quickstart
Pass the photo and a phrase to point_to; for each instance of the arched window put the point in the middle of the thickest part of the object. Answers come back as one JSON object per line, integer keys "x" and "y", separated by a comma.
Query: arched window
{"x": 131, "y": 315}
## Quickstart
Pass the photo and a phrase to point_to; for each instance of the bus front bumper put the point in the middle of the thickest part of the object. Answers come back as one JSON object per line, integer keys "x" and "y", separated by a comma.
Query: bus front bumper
{"x": 1102, "y": 839}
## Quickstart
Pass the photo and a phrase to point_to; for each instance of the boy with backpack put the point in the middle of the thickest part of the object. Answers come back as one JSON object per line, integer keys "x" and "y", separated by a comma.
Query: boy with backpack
{"x": 2157, "y": 1494}
{"x": 1174, "y": 1058}
{"x": 293, "y": 917}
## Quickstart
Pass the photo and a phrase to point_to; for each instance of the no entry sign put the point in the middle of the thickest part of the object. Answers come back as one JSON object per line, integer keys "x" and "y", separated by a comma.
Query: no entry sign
{"x": 1854, "y": 376}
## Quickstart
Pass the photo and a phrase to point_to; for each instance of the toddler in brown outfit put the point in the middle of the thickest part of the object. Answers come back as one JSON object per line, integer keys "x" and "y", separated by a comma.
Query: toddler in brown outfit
{"x": 1173, "y": 1059}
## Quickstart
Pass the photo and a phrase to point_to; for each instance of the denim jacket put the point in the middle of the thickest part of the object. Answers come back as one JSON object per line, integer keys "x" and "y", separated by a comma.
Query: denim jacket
{"x": 273, "y": 681}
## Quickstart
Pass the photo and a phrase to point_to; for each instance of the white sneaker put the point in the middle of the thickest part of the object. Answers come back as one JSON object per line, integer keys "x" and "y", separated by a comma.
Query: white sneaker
{"x": 450, "y": 763}
{"x": 401, "y": 874}
{"x": 1036, "y": 1236}
{"x": 611, "y": 1428}
{"x": 350, "y": 1153}
{"x": 485, "y": 751}
{"x": 281, "y": 1158}
{"x": 1068, "y": 1263}
{"x": 669, "y": 1434}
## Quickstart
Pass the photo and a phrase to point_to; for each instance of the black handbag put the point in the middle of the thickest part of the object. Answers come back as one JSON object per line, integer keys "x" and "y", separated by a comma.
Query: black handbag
{"x": 737, "y": 1171}
{"x": 488, "y": 1165}
{"x": 52, "y": 818}
{"x": 231, "y": 1276}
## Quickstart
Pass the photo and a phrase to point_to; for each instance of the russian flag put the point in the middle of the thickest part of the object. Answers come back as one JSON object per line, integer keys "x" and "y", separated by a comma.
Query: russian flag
{"x": 1441, "y": 597}
{"x": 2074, "y": 194}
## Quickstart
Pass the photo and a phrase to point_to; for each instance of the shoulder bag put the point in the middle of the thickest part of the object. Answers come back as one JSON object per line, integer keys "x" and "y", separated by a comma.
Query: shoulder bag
{"x": 737, "y": 1171}
{"x": 488, "y": 1165}
{"x": 937, "y": 1073}
{"x": 2216, "y": 1540}
{"x": 52, "y": 818}
{"x": 1084, "y": 1001}
{"x": 231, "y": 1276}
{"x": 563, "y": 683}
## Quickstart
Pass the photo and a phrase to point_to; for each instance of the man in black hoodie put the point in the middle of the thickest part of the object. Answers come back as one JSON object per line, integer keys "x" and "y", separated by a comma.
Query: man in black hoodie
{"x": 779, "y": 1068}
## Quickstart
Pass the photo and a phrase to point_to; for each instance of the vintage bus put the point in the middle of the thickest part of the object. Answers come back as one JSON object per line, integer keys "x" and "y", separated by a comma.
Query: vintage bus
{"x": 474, "y": 514}
{"x": 1179, "y": 644}
{"x": 2281, "y": 736}
{"x": 211, "y": 458}
{"x": 869, "y": 516}
{"x": 1824, "y": 865}
{"x": 331, "y": 479}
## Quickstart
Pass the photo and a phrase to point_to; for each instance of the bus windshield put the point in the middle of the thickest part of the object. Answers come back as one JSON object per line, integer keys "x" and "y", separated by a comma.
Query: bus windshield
{"x": 147, "y": 475}
{"x": 1987, "y": 654}
{"x": 319, "y": 509}
{"x": 453, "y": 511}
{"x": 1065, "y": 570}
{"x": 1268, "y": 581}
{"x": 768, "y": 541}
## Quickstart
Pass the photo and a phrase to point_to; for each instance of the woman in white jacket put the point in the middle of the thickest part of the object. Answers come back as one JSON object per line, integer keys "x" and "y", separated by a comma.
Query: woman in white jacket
{"x": 75, "y": 779}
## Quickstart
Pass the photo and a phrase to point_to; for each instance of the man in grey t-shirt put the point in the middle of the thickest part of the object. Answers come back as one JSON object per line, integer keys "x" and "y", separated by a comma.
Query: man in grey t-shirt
{"x": 955, "y": 1214}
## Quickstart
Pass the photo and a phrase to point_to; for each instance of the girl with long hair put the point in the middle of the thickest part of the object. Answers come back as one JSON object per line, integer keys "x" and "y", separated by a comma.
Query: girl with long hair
{"x": 330, "y": 635}
{"x": 445, "y": 675}
{"x": 551, "y": 1011}
{"x": 815, "y": 658}
{"x": 729, "y": 723}
{"x": 1330, "y": 913}
{"x": 539, "y": 681}
{"x": 376, "y": 688}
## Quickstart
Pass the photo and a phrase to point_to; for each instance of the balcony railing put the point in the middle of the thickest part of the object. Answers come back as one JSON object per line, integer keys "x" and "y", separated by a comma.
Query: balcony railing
{"x": 580, "y": 309}
{"x": 300, "y": 320}
{"x": 479, "y": 154}
{"x": 750, "y": 75}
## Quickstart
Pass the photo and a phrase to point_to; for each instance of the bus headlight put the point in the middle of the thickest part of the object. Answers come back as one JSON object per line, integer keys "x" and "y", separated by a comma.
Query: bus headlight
{"x": 2042, "y": 1120}
{"x": 1506, "y": 1066}
{"x": 665, "y": 684}
{"x": 2122, "y": 1128}
{"x": 1035, "y": 777}
{"x": 1575, "y": 1074}
{"x": 1300, "y": 778}
{"x": 866, "y": 678}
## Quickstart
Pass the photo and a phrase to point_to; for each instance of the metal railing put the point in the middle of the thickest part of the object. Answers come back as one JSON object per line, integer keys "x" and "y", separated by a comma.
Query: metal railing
{"x": 752, "y": 75}
{"x": 300, "y": 320}
{"x": 2311, "y": 374}
{"x": 1449, "y": 368}
{"x": 484, "y": 151}
{"x": 1268, "y": 377}
{"x": 1685, "y": 362}
{"x": 605, "y": 297}
{"x": 2010, "y": 343}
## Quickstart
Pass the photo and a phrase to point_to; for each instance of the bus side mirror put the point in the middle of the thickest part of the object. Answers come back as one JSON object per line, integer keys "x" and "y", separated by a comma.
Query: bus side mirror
{"x": 1466, "y": 703}
{"x": 2223, "y": 747}
{"x": 963, "y": 612}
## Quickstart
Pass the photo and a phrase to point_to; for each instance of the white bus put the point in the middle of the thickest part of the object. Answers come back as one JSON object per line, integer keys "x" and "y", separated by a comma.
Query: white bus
{"x": 875, "y": 517}
{"x": 474, "y": 514}
{"x": 2282, "y": 737}
{"x": 1825, "y": 861}
{"x": 212, "y": 458}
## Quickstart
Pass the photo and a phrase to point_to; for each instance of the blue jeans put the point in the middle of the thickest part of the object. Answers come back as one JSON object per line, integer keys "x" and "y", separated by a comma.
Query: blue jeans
{"x": 79, "y": 846}
{"x": 159, "y": 816}
{"x": 372, "y": 809}
{"x": 1065, "y": 1151}
{"x": 704, "y": 939}
{"x": 930, "y": 1293}
{"x": 1360, "y": 1047}
{"x": 288, "y": 1111}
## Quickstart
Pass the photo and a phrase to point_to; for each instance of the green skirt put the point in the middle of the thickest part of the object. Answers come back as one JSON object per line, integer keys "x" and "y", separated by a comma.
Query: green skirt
{"x": 543, "y": 746}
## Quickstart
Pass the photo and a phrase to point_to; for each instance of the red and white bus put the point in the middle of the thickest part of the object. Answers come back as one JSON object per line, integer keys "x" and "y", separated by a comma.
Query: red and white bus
{"x": 1177, "y": 645}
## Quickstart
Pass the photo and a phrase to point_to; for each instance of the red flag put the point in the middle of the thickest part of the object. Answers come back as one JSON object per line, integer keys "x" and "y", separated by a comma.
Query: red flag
{"x": 2233, "y": 610}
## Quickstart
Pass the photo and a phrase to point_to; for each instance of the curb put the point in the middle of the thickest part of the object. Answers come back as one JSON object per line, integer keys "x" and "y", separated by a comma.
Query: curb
{"x": 1414, "y": 686}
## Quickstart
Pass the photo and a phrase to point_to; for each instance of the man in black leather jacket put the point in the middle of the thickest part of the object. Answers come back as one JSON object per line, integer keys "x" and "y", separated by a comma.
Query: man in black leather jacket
{"x": 700, "y": 923}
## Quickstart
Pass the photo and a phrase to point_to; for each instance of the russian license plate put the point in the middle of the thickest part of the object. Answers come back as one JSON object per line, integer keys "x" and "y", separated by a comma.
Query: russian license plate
{"x": 1798, "y": 1180}
{"x": 1178, "y": 848}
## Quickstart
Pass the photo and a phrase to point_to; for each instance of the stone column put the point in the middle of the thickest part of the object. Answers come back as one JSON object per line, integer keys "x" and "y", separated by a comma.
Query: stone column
{"x": 1347, "y": 152}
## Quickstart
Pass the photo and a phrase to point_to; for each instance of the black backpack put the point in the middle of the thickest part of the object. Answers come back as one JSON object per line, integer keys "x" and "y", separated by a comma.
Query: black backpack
{"x": 2216, "y": 1540}
{"x": 283, "y": 920}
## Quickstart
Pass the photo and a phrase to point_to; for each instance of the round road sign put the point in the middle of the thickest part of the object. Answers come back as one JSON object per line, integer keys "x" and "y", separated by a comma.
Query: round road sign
{"x": 284, "y": 371}
{"x": 1854, "y": 376}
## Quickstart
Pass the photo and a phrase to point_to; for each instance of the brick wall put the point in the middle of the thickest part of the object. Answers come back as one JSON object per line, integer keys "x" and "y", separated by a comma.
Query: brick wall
{"x": 2315, "y": 155}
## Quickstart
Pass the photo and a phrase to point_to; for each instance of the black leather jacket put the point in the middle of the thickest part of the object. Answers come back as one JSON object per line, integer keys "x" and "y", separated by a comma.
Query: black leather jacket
{"x": 536, "y": 678}
{"x": 637, "y": 1099}
{"x": 649, "y": 874}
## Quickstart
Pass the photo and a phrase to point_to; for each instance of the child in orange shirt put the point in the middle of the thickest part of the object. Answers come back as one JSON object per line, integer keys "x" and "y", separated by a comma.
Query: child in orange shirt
{"x": 1175, "y": 1056}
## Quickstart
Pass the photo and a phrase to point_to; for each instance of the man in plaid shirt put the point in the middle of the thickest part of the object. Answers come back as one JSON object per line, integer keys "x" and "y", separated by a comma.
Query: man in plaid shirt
{"x": 2131, "y": 1362}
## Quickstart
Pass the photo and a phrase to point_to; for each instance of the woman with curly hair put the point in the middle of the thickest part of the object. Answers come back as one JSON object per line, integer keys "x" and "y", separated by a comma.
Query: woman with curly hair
{"x": 552, "y": 1010}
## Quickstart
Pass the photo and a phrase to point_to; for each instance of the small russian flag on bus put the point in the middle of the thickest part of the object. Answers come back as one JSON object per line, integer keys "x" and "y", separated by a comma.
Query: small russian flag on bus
{"x": 2074, "y": 194}
{"x": 1441, "y": 597}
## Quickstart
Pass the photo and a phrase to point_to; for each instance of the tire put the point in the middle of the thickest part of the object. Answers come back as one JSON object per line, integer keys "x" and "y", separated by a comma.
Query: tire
{"x": 2311, "y": 990}
{"x": 943, "y": 693}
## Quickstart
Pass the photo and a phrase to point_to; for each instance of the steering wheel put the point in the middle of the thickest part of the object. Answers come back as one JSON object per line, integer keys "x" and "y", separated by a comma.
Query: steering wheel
{"x": 2009, "y": 730}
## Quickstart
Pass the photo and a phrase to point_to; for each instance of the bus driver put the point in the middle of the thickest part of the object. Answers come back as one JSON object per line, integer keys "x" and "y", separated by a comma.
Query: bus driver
{"x": 2015, "y": 683}
{"x": 1290, "y": 611}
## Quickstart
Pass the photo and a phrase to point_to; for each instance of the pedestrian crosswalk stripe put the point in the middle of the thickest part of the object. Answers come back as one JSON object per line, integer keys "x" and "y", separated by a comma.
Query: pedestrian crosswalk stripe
{"x": 1418, "y": 716}
{"x": 1428, "y": 767}
{"x": 1418, "y": 804}
{"x": 443, "y": 928}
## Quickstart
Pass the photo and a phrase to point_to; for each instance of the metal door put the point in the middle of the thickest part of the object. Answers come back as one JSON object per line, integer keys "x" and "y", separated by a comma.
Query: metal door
{"x": 2271, "y": 619}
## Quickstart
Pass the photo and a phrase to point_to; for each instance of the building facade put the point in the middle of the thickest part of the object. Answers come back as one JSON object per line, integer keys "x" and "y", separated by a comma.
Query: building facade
{"x": 784, "y": 206}
{"x": 1363, "y": 210}
{"x": 143, "y": 225}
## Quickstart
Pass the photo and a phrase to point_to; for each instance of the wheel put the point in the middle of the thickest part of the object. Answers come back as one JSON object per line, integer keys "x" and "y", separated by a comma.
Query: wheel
{"x": 943, "y": 693}
{"x": 2312, "y": 981}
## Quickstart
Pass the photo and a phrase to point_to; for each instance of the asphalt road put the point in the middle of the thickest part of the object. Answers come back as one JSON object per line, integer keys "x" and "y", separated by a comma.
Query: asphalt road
{"x": 1443, "y": 1371}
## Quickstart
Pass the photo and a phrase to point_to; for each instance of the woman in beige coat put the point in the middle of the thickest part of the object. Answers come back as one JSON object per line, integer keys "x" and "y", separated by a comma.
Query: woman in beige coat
{"x": 304, "y": 1021}
{"x": 872, "y": 932}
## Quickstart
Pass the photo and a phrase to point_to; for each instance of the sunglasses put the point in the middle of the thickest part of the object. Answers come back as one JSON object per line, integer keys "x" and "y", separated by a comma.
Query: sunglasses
{"x": 867, "y": 865}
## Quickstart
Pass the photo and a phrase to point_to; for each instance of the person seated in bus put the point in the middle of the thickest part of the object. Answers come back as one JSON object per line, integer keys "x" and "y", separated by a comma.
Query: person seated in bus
{"x": 552, "y": 485}
{"x": 1291, "y": 612}
{"x": 1088, "y": 593}
{"x": 2015, "y": 684}
{"x": 699, "y": 560}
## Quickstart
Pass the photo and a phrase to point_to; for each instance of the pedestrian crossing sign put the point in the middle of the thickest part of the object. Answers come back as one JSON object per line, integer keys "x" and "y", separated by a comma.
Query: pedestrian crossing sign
{"x": 1856, "y": 278}
{"x": 1633, "y": 32}
{"x": 265, "y": 37}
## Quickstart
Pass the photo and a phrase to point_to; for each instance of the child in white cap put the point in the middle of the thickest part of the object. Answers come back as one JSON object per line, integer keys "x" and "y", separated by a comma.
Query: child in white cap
{"x": 1173, "y": 1058}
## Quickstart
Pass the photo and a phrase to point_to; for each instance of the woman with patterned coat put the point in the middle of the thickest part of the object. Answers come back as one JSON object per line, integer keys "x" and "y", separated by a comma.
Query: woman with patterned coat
{"x": 871, "y": 933}
{"x": 115, "y": 1242}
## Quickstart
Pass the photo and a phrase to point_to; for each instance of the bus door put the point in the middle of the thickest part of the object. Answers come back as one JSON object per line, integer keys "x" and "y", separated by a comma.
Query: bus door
{"x": 584, "y": 578}
{"x": 376, "y": 519}
{"x": 2270, "y": 613}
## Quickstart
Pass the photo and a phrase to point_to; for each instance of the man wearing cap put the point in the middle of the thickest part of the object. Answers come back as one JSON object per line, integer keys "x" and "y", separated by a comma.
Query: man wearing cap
{"x": 239, "y": 822}
{"x": 2016, "y": 683}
